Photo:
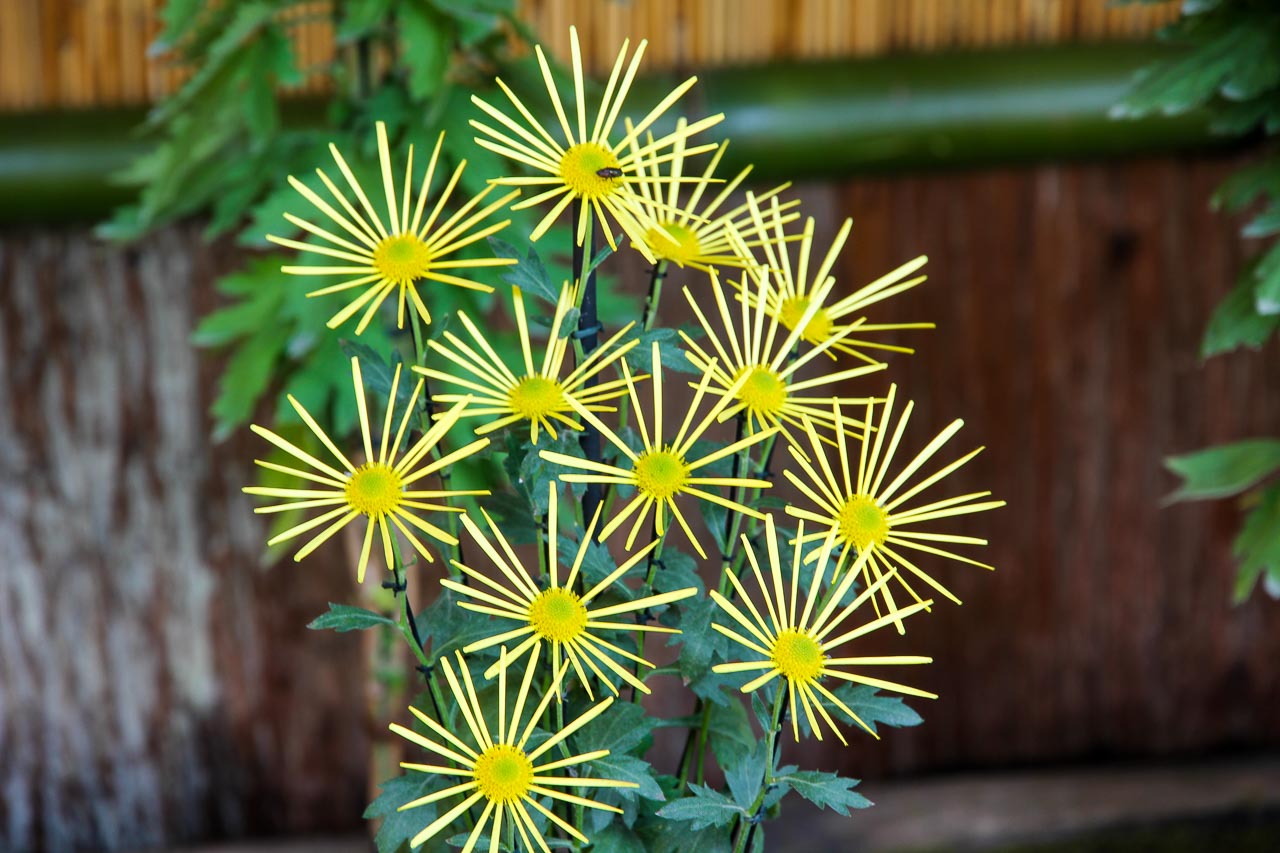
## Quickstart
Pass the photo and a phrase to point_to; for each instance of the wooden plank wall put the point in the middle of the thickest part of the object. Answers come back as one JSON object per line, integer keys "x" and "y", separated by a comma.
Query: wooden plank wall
{"x": 76, "y": 53}
{"x": 1069, "y": 302}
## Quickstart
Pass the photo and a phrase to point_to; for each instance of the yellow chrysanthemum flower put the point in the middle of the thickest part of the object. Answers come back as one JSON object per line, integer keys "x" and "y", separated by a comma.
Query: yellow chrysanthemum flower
{"x": 797, "y": 287}
{"x": 866, "y": 513}
{"x": 503, "y": 771}
{"x": 750, "y": 346}
{"x": 556, "y": 615}
{"x": 539, "y": 395}
{"x": 379, "y": 489}
{"x": 798, "y": 645}
{"x": 588, "y": 167}
{"x": 700, "y": 238}
{"x": 663, "y": 470}
{"x": 401, "y": 253}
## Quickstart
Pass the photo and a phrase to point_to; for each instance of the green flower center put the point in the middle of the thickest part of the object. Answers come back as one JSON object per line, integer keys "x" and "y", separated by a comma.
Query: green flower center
{"x": 535, "y": 397}
{"x": 503, "y": 773}
{"x": 660, "y": 474}
{"x": 402, "y": 259}
{"x": 678, "y": 244}
{"x": 374, "y": 489}
{"x": 798, "y": 656}
{"x": 580, "y": 169}
{"x": 817, "y": 330}
{"x": 862, "y": 522}
{"x": 764, "y": 393}
{"x": 558, "y": 615}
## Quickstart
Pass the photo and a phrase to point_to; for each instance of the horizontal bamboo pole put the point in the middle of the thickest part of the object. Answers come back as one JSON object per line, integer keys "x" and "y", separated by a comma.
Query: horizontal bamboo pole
{"x": 816, "y": 120}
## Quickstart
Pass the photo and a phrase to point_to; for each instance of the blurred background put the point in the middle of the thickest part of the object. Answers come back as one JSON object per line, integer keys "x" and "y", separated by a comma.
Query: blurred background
{"x": 1112, "y": 686}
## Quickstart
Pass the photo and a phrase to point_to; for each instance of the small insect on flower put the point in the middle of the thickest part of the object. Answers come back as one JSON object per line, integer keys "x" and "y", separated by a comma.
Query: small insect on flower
{"x": 866, "y": 514}
{"x": 553, "y": 613}
{"x": 381, "y": 489}
{"x": 592, "y": 167}
{"x": 402, "y": 254}
{"x": 798, "y": 646}
{"x": 503, "y": 771}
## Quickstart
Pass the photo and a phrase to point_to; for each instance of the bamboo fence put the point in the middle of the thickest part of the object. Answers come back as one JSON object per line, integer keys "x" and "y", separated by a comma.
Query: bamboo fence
{"x": 60, "y": 54}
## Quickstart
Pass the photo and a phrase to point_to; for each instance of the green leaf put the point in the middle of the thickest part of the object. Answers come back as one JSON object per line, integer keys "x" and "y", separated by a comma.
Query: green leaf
{"x": 425, "y": 37}
{"x": 449, "y": 627}
{"x": 535, "y": 474}
{"x": 529, "y": 274}
{"x": 825, "y": 790}
{"x": 1236, "y": 321}
{"x": 706, "y": 808}
{"x": 640, "y": 358}
{"x": 361, "y": 17}
{"x": 1258, "y": 544}
{"x": 629, "y": 768}
{"x": 615, "y": 838}
{"x": 730, "y": 733}
{"x": 871, "y": 706}
{"x": 678, "y": 571}
{"x": 245, "y": 379}
{"x": 746, "y": 777}
{"x": 398, "y": 827}
{"x": 344, "y": 617}
{"x": 622, "y": 728}
{"x": 1226, "y": 469}
{"x": 1266, "y": 298}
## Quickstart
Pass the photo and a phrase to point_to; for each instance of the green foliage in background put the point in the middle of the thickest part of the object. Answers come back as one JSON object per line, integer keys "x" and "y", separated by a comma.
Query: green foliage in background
{"x": 226, "y": 141}
{"x": 1230, "y": 63}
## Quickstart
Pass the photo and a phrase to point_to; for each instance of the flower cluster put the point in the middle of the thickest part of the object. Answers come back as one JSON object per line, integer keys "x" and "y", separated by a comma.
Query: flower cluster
{"x": 778, "y": 341}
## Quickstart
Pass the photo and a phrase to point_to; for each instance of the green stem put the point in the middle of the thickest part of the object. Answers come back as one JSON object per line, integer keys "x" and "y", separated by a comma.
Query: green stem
{"x": 747, "y": 830}
{"x": 586, "y": 340}
{"x": 424, "y": 423}
{"x": 656, "y": 276}
{"x": 651, "y": 574}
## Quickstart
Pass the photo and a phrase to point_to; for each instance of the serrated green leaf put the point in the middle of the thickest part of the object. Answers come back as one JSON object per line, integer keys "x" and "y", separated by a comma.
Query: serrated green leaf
{"x": 1257, "y": 546}
{"x": 872, "y": 707}
{"x": 825, "y": 790}
{"x": 1236, "y": 322}
{"x": 730, "y": 733}
{"x": 1226, "y": 469}
{"x": 745, "y": 778}
{"x": 397, "y": 827}
{"x": 529, "y": 273}
{"x": 344, "y": 617}
{"x": 1266, "y": 297}
{"x": 706, "y": 808}
{"x": 640, "y": 358}
{"x": 628, "y": 768}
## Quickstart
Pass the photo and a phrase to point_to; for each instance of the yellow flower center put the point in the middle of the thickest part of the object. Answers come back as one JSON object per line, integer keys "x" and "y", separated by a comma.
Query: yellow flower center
{"x": 660, "y": 474}
{"x": 862, "y": 522}
{"x": 817, "y": 330}
{"x": 797, "y": 656}
{"x": 558, "y": 615}
{"x": 764, "y": 393}
{"x": 678, "y": 244}
{"x": 374, "y": 489}
{"x": 535, "y": 397}
{"x": 581, "y": 168}
{"x": 402, "y": 259}
{"x": 503, "y": 773}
